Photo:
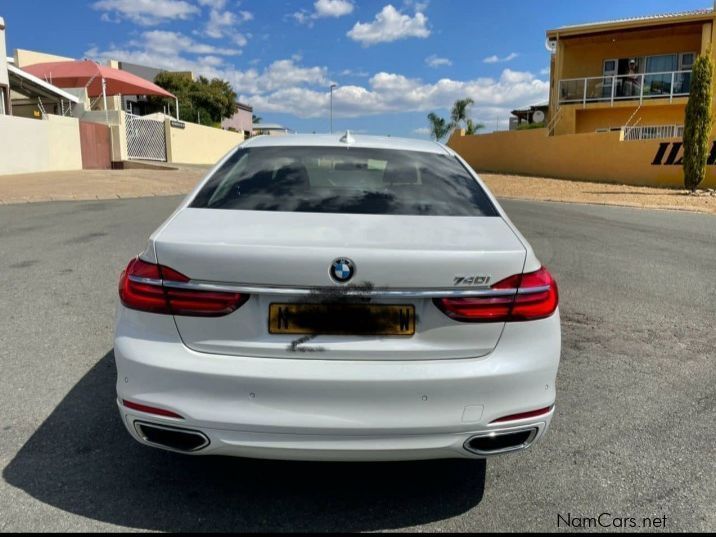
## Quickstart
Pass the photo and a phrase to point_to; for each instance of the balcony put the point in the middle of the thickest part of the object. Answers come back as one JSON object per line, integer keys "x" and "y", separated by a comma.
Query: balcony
{"x": 651, "y": 132}
{"x": 632, "y": 87}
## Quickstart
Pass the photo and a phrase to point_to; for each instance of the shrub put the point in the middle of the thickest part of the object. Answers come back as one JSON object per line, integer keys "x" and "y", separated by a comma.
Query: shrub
{"x": 697, "y": 123}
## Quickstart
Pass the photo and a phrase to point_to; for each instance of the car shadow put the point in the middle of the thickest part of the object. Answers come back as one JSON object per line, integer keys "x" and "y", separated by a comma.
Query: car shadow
{"x": 82, "y": 460}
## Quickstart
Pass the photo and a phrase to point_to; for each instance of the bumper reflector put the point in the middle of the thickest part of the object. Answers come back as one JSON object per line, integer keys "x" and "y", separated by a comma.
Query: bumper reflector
{"x": 151, "y": 410}
{"x": 524, "y": 415}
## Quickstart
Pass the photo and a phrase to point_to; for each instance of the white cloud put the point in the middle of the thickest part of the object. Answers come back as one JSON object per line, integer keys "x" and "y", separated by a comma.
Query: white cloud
{"x": 168, "y": 50}
{"x": 544, "y": 71}
{"x": 417, "y": 5}
{"x": 324, "y": 9}
{"x": 435, "y": 61}
{"x": 145, "y": 12}
{"x": 218, "y": 21}
{"x": 214, "y": 4}
{"x": 291, "y": 87}
{"x": 422, "y": 131}
{"x": 211, "y": 60}
{"x": 222, "y": 23}
{"x": 333, "y": 8}
{"x": 496, "y": 59}
{"x": 169, "y": 43}
{"x": 390, "y": 25}
{"x": 240, "y": 39}
{"x": 355, "y": 72}
{"x": 285, "y": 73}
{"x": 394, "y": 93}
{"x": 303, "y": 17}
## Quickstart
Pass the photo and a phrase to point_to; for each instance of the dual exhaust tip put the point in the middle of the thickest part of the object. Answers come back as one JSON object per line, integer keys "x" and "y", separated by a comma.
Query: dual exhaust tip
{"x": 189, "y": 441}
{"x": 504, "y": 441}
{"x": 173, "y": 438}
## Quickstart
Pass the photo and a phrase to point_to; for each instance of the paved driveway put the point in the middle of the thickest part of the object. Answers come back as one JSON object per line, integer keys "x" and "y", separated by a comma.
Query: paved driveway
{"x": 634, "y": 433}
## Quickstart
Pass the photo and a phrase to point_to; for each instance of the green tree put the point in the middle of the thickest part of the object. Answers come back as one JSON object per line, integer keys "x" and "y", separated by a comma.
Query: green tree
{"x": 697, "y": 123}
{"x": 473, "y": 127}
{"x": 439, "y": 127}
{"x": 255, "y": 118}
{"x": 460, "y": 112}
{"x": 203, "y": 100}
{"x": 459, "y": 116}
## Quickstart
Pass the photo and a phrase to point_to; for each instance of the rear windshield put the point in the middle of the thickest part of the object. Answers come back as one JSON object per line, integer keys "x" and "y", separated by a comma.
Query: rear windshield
{"x": 344, "y": 180}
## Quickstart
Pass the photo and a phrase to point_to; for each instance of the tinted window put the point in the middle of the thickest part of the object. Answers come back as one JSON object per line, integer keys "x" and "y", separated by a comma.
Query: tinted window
{"x": 344, "y": 180}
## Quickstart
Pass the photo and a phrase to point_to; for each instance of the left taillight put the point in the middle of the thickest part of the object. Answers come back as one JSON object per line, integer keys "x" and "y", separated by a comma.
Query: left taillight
{"x": 158, "y": 289}
{"x": 521, "y": 297}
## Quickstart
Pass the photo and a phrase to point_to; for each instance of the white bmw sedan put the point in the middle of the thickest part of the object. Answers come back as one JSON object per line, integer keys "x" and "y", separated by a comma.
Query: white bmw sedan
{"x": 338, "y": 298}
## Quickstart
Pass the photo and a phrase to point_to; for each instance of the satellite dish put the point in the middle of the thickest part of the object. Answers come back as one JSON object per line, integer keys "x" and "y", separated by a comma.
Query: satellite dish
{"x": 538, "y": 116}
{"x": 551, "y": 46}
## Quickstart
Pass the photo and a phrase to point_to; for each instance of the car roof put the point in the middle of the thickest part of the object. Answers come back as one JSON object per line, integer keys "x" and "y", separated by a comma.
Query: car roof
{"x": 357, "y": 140}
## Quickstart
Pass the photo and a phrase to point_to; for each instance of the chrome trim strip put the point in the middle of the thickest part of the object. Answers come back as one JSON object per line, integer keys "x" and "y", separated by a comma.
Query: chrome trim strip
{"x": 340, "y": 291}
{"x": 148, "y": 281}
{"x": 532, "y": 290}
{"x": 357, "y": 291}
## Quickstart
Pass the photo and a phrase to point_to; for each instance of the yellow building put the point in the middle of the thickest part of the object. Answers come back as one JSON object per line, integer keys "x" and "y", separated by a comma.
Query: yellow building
{"x": 632, "y": 74}
{"x": 618, "y": 93}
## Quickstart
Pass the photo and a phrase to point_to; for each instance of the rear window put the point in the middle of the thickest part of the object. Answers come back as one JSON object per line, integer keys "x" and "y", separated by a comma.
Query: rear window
{"x": 344, "y": 180}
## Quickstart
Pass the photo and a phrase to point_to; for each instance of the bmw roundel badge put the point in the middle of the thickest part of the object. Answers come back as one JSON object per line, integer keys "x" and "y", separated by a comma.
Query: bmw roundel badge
{"x": 342, "y": 269}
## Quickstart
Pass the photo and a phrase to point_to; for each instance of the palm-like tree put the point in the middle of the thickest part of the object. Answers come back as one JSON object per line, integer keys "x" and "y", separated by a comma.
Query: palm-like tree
{"x": 459, "y": 116}
{"x": 472, "y": 127}
{"x": 438, "y": 126}
{"x": 460, "y": 111}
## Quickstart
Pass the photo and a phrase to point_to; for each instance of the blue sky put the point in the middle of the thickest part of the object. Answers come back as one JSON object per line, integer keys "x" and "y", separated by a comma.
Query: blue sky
{"x": 394, "y": 61}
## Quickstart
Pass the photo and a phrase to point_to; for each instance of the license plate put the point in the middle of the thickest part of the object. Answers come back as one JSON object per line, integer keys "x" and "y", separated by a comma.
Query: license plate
{"x": 342, "y": 319}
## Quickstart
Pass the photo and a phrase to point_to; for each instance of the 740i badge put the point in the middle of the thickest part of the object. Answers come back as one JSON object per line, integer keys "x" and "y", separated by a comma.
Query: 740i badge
{"x": 471, "y": 280}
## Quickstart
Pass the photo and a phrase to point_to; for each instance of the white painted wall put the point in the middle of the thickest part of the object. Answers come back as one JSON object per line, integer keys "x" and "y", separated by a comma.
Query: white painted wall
{"x": 34, "y": 145}
{"x": 198, "y": 144}
{"x": 4, "y": 78}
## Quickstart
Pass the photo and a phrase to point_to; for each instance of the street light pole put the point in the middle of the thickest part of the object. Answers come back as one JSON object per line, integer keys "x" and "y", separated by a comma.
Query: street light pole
{"x": 332, "y": 86}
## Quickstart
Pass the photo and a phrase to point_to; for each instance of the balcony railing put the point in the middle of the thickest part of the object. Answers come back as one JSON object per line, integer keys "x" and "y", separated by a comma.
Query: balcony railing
{"x": 650, "y": 132}
{"x": 607, "y": 89}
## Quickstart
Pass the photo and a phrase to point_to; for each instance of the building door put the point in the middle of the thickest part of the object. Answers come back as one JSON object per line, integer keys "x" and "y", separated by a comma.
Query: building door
{"x": 95, "y": 146}
{"x": 682, "y": 80}
{"x": 609, "y": 71}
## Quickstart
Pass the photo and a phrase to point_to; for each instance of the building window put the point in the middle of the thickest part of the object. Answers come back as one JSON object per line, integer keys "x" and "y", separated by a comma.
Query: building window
{"x": 686, "y": 61}
{"x": 662, "y": 64}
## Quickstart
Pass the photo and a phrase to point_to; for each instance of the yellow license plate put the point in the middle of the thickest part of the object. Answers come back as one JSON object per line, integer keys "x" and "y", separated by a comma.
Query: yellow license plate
{"x": 342, "y": 319}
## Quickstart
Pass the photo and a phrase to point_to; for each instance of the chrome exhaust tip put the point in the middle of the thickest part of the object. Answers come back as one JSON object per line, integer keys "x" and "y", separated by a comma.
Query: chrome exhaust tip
{"x": 173, "y": 438}
{"x": 501, "y": 441}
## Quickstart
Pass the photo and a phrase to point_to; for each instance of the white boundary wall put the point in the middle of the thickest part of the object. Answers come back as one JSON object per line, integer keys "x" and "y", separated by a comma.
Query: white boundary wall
{"x": 34, "y": 145}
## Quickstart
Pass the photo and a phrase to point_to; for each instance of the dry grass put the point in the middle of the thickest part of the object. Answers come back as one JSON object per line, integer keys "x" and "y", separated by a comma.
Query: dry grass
{"x": 543, "y": 189}
{"x": 112, "y": 184}
{"x": 98, "y": 184}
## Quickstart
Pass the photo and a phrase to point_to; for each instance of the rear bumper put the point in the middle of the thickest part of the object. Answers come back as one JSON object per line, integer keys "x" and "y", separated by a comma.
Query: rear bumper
{"x": 318, "y": 409}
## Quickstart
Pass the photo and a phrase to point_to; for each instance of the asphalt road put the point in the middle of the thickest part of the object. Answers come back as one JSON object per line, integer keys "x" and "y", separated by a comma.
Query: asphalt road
{"x": 633, "y": 436}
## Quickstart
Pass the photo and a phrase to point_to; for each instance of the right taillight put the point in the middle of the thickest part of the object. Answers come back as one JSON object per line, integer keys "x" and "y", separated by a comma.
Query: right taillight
{"x": 537, "y": 297}
{"x": 522, "y": 297}
{"x": 158, "y": 289}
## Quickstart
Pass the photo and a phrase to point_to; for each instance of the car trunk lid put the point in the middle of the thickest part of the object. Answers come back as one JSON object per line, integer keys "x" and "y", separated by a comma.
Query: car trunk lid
{"x": 285, "y": 258}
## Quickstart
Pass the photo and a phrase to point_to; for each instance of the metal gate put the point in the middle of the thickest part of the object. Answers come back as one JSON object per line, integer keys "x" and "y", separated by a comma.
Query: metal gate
{"x": 146, "y": 138}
